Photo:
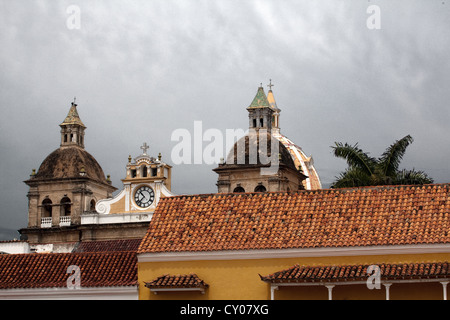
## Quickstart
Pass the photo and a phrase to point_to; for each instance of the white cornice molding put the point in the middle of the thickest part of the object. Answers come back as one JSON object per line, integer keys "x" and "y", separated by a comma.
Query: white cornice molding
{"x": 293, "y": 253}
{"x": 115, "y": 218}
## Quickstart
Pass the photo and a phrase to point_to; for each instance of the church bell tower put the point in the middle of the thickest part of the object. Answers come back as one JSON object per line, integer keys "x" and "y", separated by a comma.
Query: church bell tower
{"x": 68, "y": 184}
{"x": 72, "y": 129}
{"x": 263, "y": 112}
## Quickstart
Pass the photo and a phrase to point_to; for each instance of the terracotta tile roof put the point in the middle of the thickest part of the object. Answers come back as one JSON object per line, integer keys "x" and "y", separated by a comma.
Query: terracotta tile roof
{"x": 50, "y": 270}
{"x": 388, "y": 215}
{"x": 299, "y": 273}
{"x": 177, "y": 281}
{"x": 108, "y": 245}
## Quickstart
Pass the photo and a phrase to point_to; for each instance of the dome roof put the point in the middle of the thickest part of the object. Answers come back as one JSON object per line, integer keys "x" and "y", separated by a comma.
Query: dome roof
{"x": 263, "y": 115}
{"x": 68, "y": 162}
{"x": 302, "y": 162}
{"x": 235, "y": 159}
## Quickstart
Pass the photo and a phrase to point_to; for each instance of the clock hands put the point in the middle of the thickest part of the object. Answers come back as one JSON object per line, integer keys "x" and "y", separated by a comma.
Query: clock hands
{"x": 144, "y": 197}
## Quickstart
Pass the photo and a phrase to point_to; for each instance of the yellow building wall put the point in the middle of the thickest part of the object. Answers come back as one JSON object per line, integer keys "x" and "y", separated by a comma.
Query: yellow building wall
{"x": 119, "y": 206}
{"x": 239, "y": 279}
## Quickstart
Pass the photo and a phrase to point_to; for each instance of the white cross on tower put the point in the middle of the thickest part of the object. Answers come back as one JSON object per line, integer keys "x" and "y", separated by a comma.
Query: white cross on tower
{"x": 145, "y": 147}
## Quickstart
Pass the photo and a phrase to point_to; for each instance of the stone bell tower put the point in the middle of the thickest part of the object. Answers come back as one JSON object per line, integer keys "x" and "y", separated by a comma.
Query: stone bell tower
{"x": 68, "y": 183}
{"x": 72, "y": 129}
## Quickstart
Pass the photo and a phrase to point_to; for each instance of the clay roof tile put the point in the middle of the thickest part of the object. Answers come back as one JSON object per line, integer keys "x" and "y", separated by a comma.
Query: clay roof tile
{"x": 50, "y": 270}
{"x": 305, "y": 219}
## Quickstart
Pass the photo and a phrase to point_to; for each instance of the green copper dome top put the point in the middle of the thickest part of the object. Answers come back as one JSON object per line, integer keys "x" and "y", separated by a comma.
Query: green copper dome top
{"x": 260, "y": 100}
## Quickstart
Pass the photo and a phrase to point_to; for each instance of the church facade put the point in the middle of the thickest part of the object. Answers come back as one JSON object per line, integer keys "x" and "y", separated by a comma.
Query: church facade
{"x": 147, "y": 180}
{"x": 71, "y": 200}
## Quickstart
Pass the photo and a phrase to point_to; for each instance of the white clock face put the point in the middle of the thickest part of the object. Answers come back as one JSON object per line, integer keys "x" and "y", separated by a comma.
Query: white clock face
{"x": 144, "y": 196}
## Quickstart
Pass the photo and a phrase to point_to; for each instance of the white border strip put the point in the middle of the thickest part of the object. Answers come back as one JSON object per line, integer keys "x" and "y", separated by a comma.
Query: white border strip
{"x": 293, "y": 253}
{"x": 90, "y": 293}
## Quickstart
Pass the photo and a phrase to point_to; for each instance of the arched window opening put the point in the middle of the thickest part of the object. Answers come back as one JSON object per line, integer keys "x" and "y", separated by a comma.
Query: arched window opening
{"x": 92, "y": 205}
{"x": 261, "y": 122}
{"x": 260, "y": 188}
{"x": 47, "y": 208}
{"x": 144, "y": 171}
{"x": 238, "y": 190}
{"x": 66, "y": 205}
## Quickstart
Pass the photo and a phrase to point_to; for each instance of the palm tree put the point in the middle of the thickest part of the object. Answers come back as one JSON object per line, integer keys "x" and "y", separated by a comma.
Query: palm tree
{"x": 364, "y": 170}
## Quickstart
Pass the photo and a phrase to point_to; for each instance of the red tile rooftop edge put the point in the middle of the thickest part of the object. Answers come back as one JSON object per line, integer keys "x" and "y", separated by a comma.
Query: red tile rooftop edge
{"x": 177, "y": 281}
{"x": 50, "y": 270}
{"x": 335, "y": 273}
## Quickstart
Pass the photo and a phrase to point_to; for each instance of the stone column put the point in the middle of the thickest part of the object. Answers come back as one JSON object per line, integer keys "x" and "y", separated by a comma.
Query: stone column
{"x": 444, "y": 288}
{"x": 330, "y": 291}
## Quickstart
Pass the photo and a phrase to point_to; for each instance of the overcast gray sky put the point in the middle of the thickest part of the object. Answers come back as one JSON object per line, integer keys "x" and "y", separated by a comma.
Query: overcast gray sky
{"x": 142, "y": 69}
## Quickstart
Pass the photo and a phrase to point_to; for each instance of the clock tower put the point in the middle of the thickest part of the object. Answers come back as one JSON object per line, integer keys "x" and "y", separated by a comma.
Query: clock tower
{"x": 147, "y": 180}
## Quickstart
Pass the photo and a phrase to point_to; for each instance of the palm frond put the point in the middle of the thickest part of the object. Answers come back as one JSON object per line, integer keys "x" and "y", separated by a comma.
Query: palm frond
{"x": 390, "y": 160}
{"x": 364, "y": 170}
{"x": 351, "y": 178}
{"x": 355, "y": 157}
{"x": 408, "y": 177}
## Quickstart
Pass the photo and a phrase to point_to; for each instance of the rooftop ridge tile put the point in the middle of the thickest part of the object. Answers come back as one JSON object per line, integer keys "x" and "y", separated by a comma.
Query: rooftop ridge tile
{"x": 304, "y": 273}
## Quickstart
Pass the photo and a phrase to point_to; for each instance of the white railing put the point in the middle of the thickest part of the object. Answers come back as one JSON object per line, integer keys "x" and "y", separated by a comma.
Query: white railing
{"x": 64, "y": 221}
{"x": 46, "y": 222}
